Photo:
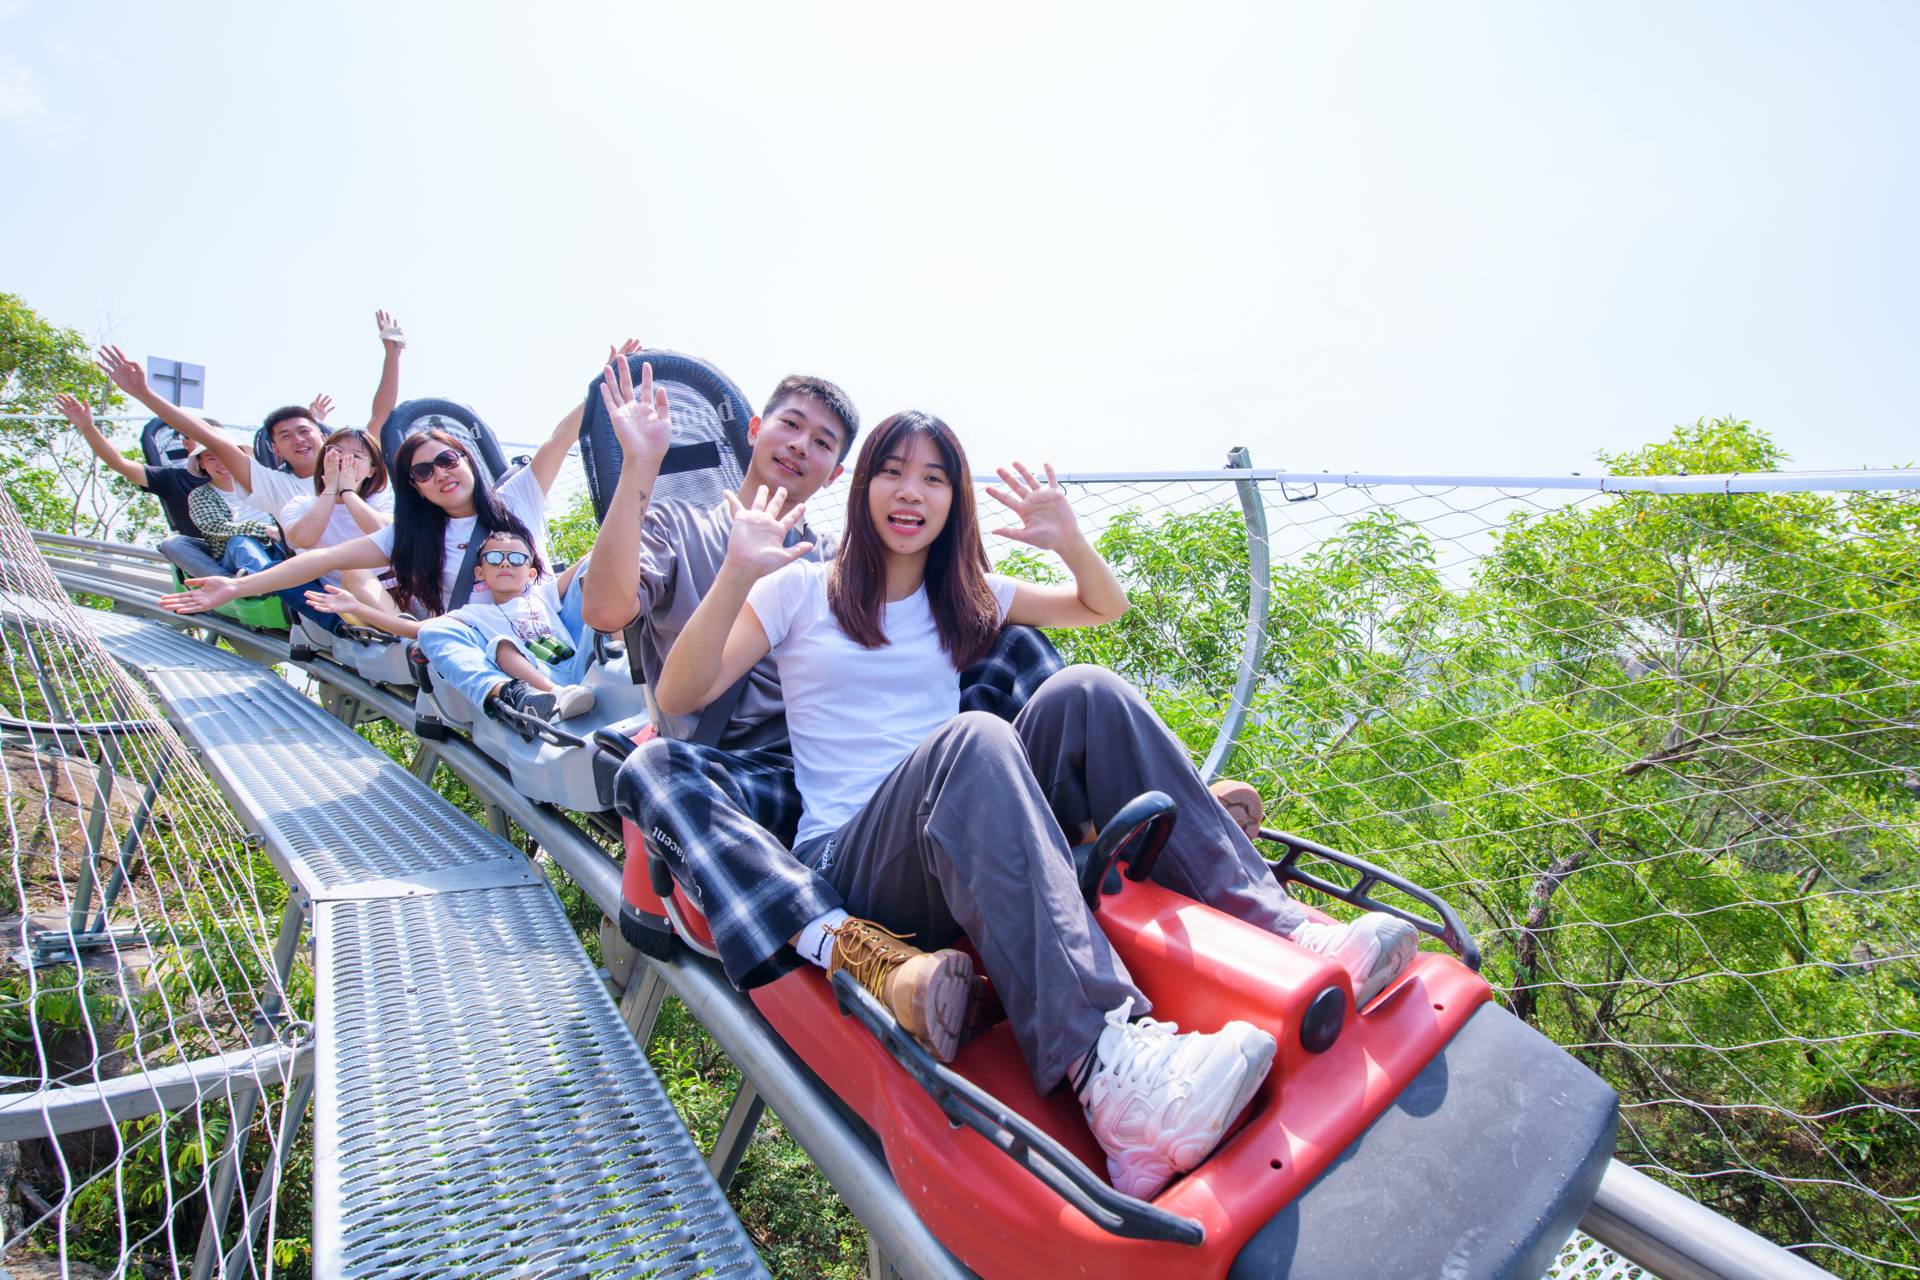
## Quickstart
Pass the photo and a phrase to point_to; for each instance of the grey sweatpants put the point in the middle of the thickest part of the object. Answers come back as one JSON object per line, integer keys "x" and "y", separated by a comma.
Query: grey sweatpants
{"x": 965, "y": 836}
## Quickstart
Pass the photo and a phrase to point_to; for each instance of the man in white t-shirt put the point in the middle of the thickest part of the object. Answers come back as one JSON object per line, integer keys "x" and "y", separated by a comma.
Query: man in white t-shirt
{"x": 295, "y": 432}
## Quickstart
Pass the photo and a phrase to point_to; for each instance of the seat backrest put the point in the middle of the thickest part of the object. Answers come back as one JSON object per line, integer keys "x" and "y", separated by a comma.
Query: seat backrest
{"x": 429, "y": 414}
{"x": 263, "y": 451}
{"x": 161, "y": 445}
{"x": 709, "y": 450}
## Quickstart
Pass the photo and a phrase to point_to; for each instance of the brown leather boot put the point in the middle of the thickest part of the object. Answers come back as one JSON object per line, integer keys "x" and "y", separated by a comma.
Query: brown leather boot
{"x": 928, "y": 992}
{"x": 1242, "y": 803}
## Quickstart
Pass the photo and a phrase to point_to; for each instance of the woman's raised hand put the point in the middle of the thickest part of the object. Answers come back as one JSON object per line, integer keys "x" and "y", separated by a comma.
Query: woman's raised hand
{"x": 73, "y": 410}
{"x": 1046, "y": 518}
{"x": 391, "y": 334}
{"x": 206, "y": 593}
{"x": 334, "y": 599}
{"x": 757, "y": 543}
{"x": 640, "y": 420}
{"x": 330, "y": 469}
{"x": 126, "y": 375}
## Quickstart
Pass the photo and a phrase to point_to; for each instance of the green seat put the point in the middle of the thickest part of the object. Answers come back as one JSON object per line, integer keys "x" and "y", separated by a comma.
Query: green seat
{"x": 262, "y": 613}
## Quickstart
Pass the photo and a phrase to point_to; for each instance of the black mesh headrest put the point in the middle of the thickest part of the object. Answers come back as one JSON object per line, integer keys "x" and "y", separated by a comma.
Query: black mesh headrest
{"x": 161, "y": 445}
{"x": 263, "y": 451}
{"x": 708, "y": 454}
{"x": 415, "y": 416}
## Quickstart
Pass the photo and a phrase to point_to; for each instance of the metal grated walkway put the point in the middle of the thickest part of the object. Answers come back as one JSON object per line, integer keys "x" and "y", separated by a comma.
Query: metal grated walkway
{"x": 481, "y": 1108}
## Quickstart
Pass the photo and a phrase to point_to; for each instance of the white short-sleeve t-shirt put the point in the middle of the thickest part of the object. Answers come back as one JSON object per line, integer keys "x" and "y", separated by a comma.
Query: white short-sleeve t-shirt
{"x": 521, "y": 494}
{"x": 534, "y": 621}
{"x": 854, "y": 713}
{"x": 341, "y": 526}
{"x": 273, "y": 490}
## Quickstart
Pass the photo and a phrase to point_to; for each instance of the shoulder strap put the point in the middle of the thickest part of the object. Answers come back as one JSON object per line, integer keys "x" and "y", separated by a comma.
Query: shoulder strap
{"x": 464, "y": 576}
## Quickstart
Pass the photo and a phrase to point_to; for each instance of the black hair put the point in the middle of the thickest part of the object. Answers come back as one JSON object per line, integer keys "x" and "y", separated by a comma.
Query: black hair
{"x": 837, "y": 402}
{"x": 965, "y": 614}
{"x": 420, "y": 527}
{"x": 539, "y": 565}
{"x": 282, "y": 414}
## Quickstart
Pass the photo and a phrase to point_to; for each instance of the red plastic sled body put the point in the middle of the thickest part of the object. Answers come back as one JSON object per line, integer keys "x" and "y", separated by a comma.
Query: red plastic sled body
{"x": 1200, "y": 968}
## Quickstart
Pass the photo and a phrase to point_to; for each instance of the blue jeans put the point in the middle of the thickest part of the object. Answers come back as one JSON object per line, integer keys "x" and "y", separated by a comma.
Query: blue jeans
{"x": 191, "y": 557}
{"x": 250, "y": 555}
{"x": 462, "y": 657}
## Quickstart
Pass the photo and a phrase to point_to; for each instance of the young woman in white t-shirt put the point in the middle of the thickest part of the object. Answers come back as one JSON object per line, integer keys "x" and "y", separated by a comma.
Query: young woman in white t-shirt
{"x": 351, "y": 499}
{"x": 441, "y": 497}
{"x": 936, "y": 823}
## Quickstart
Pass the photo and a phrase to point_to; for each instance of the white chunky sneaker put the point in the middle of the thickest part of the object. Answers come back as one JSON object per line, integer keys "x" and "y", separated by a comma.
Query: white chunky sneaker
{"x": 572, "y": 700}
{"x": 1159, "y": 1101}
{"x": 1374, "y": 949}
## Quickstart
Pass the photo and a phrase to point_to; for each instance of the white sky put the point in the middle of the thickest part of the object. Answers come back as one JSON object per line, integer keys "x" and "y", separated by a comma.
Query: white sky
{"x": 1408, "y": 238}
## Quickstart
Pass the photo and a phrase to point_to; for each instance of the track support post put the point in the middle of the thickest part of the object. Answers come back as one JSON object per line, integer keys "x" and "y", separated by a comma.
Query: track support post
{"x": 244, "y": 1096}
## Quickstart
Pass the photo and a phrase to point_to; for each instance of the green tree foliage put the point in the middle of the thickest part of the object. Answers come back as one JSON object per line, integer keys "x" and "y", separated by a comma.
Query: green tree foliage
{"x": 51, "y": 475}
{"x": 1657, "y": 750}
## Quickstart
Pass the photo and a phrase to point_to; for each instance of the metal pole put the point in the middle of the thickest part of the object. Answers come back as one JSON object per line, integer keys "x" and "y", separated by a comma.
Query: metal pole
{"x": 646, "y": 992}
{"x": 736, "y": 1131}
{"x": 425, "y": 760}
{"x": 1677, "y": 1238}
{"x": 130, "y": 843}
{"x": 95, "y": 833}
{"x": 290, "y": 1118}
{"x": 246, "y": 1096}
{"x": 1253, "y": 648}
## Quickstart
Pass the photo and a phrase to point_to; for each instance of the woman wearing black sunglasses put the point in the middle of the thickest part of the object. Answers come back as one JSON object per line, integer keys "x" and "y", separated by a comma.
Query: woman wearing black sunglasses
{"x": 443, "y": 501}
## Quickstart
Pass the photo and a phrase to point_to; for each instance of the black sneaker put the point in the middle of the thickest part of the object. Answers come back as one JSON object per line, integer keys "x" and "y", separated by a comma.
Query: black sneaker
{"x": 524, "y": 698}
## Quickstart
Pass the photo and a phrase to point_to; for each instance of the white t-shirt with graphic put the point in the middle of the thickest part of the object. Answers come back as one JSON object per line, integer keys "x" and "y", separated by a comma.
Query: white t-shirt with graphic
{"x": 532, "y": 620}
{"x": 521, "y": 494}
{"x": 854, "y": 713}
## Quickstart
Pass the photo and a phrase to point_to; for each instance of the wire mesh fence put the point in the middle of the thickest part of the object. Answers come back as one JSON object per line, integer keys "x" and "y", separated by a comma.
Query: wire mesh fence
{"x": 1661, "y": 748}
{"x": 144, "y": 1008}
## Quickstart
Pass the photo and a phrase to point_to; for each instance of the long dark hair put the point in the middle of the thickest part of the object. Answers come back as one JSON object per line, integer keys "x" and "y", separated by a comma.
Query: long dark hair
{"x": 965, "y": 614}
{"x": 376, "y": 472}
{"x": 420, "y": 527}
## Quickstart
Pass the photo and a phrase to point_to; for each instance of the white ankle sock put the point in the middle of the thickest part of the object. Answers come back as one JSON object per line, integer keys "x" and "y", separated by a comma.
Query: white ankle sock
{"x": 813, "y": 942}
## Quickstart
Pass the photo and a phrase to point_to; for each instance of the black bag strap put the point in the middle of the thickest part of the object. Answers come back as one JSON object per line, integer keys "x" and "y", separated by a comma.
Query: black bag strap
{"x": 465, "y": 573}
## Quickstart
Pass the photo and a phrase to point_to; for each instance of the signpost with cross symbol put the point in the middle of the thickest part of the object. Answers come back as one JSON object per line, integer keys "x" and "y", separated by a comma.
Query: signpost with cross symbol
{"x": 184, "y": 384}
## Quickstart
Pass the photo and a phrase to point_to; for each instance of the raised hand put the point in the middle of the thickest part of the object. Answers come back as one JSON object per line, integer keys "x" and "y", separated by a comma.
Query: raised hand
{"x": 1046, "y": 518}
{"x": 335, "y": 599}
{"x": 641, "y": 421}
{"x": 391, "y": 334}
{"x": 757, "y": 542}
{"x": 74, "y": 411}
{"x": 322, "y": 406}
{"x": 626, "y": 348}
{"x": 206, "y": 593}
{"x": 126, "y": 375}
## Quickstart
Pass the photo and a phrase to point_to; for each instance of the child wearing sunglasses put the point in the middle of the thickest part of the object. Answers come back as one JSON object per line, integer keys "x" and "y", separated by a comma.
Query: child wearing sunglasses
{"x": 533, "y": 632}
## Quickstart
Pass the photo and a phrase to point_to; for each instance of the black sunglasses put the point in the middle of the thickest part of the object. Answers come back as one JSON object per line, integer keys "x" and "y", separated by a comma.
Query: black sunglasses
{"x": 445, "y": 460}
{"x": 514, "y": 558}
